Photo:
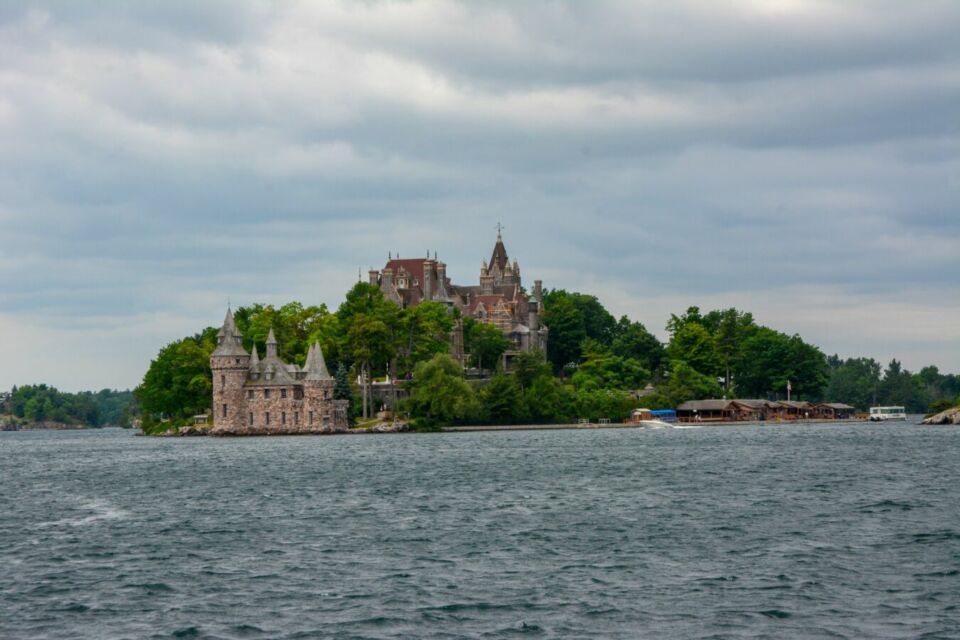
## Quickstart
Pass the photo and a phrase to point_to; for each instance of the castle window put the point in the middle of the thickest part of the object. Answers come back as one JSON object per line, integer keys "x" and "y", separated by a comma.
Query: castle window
{"x": 266, "y": 417}
{"x": 283, "y": 393}
{"x": 298, "y": 393}
{"x": 311, "y": 417}
{"x": 236, "y": 361}
{"x": 283, "y": 417}
{"x": 223, "y": 381}
{"x": 250, "y": 393}
{"x": 296, "y": 417}
{"x": 251, "y": 418}
{"x": 224, "y": 411}
{"x": 326, "y": 394}
{"x": 266, "y": 394}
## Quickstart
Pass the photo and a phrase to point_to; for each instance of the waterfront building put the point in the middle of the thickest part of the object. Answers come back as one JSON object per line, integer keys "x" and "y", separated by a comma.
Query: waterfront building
{"x": 257, "y": 397}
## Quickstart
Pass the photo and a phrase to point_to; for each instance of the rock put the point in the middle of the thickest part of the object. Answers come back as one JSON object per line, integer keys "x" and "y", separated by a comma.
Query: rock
{"x": 950, "y": 416}
{"x": 390, "y": 427}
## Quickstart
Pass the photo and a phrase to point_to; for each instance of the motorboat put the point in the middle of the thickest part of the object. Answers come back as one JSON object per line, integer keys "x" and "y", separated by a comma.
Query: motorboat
{"x": 883, "y": 414}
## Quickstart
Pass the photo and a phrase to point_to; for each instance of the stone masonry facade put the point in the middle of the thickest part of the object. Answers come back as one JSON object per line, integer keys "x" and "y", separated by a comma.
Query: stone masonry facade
{"x": 498, "y": 299}
{"x": 270, "y": 397}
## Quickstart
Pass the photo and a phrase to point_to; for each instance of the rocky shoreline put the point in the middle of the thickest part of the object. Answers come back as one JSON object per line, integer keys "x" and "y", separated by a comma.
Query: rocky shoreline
{"x": 14, "y": 424}
{"x": 207, "y": 430}
{"x": 950, "y": 416}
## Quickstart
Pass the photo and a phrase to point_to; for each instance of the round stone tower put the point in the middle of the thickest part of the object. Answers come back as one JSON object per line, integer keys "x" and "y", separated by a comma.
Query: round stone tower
{"x": 230, "y": 363}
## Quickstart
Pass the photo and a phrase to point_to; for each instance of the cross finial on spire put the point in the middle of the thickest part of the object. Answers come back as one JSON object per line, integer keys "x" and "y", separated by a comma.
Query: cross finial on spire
{"x": 500, "y": 228}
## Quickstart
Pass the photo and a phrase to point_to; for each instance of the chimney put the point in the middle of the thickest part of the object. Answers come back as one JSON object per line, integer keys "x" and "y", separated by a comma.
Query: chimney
{"x": 374, "y": 277}
{"x": 538, "y": 293}
{"x": 387, "y": 278}
{"x": 428, "y": 280}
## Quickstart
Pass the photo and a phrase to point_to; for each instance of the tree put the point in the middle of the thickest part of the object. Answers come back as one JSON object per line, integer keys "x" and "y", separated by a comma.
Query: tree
{"x": 567, "y": 331}
{"x": 178, "y": 383}
{"x": 693, "y": 344}
{"x": 855, "y": 382}
{"x": 632, "y": 340}
{"x": 900, "y": 387}
{"x": 596, "y": 404}
{"x": 342, "y": 389}
{"x": 500, "y": 399}
{"x": 485, "y": 343}
{"x": 769, "y": 359}
{"x": 729, "y": 328}
{"x": 684, "y": 383}
{"x": 528, "y": 368}
{"x": 548, "y": 400}
{"x": 572, "y": 318}
{"x": 601, "y": 369}
{"x": 425, "y": 330}
{"x": 370, "y": 343}
{"x": 438, "y": 393}
{"x": 296, "y": 327}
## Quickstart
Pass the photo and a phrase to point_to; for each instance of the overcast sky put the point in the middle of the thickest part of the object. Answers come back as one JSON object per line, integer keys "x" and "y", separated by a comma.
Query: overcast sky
{"x": 797, "y": 159}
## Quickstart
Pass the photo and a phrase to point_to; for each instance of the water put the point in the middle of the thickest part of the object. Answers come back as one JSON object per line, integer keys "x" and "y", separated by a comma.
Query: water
{"x": 820, "y": 531}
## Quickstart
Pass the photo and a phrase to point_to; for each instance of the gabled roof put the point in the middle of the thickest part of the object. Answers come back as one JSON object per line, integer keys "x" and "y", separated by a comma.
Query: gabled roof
{"x": 705, "y": 405}
{"x": 838, "y": 405}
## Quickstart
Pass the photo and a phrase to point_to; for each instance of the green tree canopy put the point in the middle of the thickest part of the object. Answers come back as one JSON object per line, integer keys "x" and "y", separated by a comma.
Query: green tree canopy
{"x": 439, "y": 393}
{"x": 485, "y": 343}
{"x": 178, "y": 383}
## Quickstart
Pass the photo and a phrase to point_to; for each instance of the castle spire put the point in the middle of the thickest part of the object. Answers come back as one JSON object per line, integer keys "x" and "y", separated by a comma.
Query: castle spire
{"x": 229, "y": 340}
{"x": 271, "y": 344}
{"x": 254, "y": 357}
{"x": 499, "y": 257}
{"x": 316, "y": 366}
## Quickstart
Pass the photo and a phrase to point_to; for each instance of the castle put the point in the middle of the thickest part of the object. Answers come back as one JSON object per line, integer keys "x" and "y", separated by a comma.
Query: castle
{"x": 256, "y": 397}
{"x": 498, "y": 299}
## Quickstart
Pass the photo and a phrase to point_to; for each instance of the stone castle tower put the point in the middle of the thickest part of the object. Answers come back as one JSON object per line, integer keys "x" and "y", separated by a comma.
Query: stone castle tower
{"x": 259, "y": 397}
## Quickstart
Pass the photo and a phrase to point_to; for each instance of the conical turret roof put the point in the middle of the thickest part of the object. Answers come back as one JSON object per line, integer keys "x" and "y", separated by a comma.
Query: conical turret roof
{"x": 315, "y": 366}
{"x": 229, "y": 326}
{"x": 229, "y": 340}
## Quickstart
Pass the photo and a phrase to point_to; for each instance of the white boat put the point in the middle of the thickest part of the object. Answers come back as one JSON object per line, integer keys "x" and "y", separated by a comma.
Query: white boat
{"x": 882, "y": 414}
{"x": 655, "y": 424}
{"x": 650, "y": 419}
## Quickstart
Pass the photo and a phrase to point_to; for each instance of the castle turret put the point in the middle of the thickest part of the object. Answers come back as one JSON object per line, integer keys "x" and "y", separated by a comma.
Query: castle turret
{"x": 271, "y": 344}
{"x": 533, "y": 316}
{"x": 318, "y": 394}
{"x": 229, "y": 364}
{"x": 374, "y": 276}
{"x": 486, "y": 283}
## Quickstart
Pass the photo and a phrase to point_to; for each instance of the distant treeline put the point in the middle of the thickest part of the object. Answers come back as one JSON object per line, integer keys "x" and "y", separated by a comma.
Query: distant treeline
{"x": 42, "y": 403}
{"x": 594, "y": 366}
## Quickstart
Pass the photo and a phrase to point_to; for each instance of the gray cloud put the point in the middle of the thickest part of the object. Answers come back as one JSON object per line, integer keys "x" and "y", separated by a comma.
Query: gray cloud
{"x": 801, "y": 158}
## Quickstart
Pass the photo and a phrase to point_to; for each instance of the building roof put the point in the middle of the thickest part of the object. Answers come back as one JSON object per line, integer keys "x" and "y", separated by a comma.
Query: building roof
{"x": 499, "y": 255}
{"x": 229, "y": 340}
{"x": 705, "y": 405}
{"x": 315, "y": 365}
{"x": 838, "y": 405}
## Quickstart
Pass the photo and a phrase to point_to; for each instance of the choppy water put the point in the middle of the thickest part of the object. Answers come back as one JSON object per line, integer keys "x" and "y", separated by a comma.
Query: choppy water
{"x": 826, "y": 531}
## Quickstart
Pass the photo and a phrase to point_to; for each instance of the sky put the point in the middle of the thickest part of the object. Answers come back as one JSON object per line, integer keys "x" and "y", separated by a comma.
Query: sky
{"x": 799, "y": 159}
